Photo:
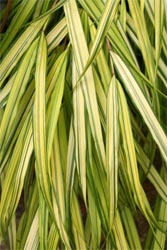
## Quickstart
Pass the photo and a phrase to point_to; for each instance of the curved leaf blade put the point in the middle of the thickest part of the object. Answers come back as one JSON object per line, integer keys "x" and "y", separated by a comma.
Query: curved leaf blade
{"x": 142, "y": 105}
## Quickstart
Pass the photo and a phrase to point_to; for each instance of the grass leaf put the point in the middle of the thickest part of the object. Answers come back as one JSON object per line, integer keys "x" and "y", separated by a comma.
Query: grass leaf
{"x": 112, "y": 145}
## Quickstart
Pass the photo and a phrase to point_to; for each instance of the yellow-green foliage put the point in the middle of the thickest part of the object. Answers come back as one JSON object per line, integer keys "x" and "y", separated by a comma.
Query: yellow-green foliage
{"x": 83, "y": 93}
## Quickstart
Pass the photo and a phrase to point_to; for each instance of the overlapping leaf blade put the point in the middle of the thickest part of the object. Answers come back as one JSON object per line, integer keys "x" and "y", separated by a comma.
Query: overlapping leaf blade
{"x": 131, "y": 162}
{"x": 18, "y": 21}
{"x": 19, "y": 85}
{"x": 14, "y": 178}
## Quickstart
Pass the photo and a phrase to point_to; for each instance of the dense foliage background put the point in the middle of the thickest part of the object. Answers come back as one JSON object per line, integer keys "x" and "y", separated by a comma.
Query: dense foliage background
{"x": 83, "y": 121}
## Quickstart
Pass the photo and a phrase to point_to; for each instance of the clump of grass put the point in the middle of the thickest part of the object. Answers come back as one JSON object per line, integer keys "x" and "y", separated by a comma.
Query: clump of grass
{"x": 81, "y": 123}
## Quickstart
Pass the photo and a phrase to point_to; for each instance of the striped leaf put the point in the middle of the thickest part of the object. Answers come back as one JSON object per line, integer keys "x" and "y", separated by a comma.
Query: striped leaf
{"x": 57, "y": 76}
{"x": 82, "y": 124}
{"x": 56, "y": 35}
{"x": 58, "y": 188}
{"x": 142, "y": 105}
{"x": 39, "y": 131}
{"x": 79, "y": 130}
{"x": 112, "y": 144}
{"x": 101, "y": 61}
{"x": 70, "y": 168}
{"x": 39, "y": 123}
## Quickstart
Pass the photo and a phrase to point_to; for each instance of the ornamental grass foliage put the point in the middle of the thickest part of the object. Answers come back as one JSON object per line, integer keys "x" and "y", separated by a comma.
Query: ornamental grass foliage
{"x": 83, "y": 122}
